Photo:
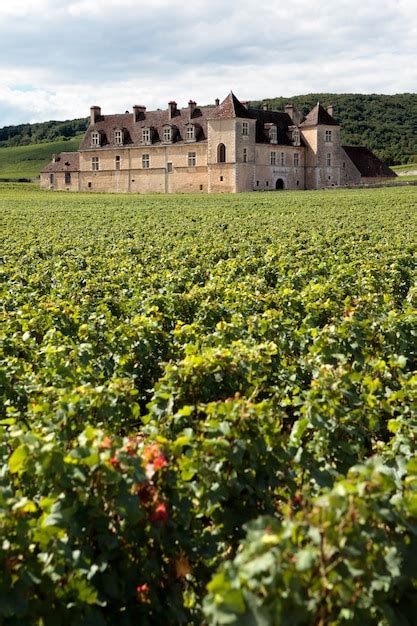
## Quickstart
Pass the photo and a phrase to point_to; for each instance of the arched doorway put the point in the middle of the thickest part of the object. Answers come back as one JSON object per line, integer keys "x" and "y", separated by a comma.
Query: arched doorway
{"x": 279, "y": 184}
{"x": 221, "y": 153}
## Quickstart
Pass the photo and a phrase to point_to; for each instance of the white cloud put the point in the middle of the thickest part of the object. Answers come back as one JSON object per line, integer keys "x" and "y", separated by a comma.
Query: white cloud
{"x": 78, "y": 52}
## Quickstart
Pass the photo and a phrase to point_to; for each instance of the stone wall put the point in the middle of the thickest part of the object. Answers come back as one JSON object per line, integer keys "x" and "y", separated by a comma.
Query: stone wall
{"x": 57, "y": 182}
{"x": 318, "y": 174}
{"x": 168, "y": 171}
{"x": 266, "y": 174}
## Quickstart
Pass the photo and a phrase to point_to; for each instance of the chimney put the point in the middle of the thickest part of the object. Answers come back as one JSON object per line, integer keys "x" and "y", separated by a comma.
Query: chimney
{"x": 330, "y": 109}
{"x": 191, "y": 107}
{"x": 264, "y": 106}
{"x": 54, "y": 158}
{"x": 289, "y": 110}
{"x": 217, "y": 102}
{"x": 95, "y": 113}
{"x": 138, "y": 112}
{"x": 172, "y": 109}
{"x": 245, "y": 103}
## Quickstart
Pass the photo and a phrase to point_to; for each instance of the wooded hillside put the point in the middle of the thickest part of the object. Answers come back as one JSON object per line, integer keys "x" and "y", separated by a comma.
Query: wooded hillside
{"x": 385, "y": 124}
{"x": 41, "y": 132}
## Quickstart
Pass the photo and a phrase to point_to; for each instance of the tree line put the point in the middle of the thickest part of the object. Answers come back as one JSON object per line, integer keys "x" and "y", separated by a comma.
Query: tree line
{"x": 41, "y": 132}
{"x": 387, "y": 124}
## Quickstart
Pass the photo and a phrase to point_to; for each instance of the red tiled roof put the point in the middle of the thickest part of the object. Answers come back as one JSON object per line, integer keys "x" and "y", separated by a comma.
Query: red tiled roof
{"x": 64, "y": 162}
{"x": 155, "y": 120}
{"x": 230, "y": 108}
{"x": 367, "y": 162}
{"x": 318, "y": 115}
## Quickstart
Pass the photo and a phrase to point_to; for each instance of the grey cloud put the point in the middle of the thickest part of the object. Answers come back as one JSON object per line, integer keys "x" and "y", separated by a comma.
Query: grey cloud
{"x": 161, "y": 41}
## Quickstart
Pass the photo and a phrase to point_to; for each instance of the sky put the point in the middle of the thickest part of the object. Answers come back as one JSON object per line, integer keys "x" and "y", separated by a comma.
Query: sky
{"x": 59, "y": 57}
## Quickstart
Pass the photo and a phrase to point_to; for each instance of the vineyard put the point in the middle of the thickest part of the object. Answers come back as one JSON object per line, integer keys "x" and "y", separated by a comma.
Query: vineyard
{"x": 210, "y": 409}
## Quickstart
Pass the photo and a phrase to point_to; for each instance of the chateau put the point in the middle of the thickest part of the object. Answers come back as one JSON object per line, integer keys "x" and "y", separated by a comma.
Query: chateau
{"x": 228, "y": 147}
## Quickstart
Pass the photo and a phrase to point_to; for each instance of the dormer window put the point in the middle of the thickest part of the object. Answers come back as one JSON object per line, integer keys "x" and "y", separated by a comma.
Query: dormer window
{"x": 118, "y": 137}
{"x": 190, "y": 132}
{"x": 95, "y": 138}
{"x": 146, "y": 136}
{"x": 296, "y": 137}
{"x": 273, "y": 137}
{"x": 167, "y": 134}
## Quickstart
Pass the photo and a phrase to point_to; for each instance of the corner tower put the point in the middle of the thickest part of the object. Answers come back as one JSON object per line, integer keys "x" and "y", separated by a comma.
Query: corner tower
{"x": 231, "y": 135}
{"x": 321, "y": 134}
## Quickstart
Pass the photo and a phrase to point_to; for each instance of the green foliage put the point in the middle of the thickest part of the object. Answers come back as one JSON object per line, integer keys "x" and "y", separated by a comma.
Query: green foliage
{"x": 209, "y": 398}
{"x": 25, "y": 134}
{"x": 344, "y": 557}
{"x": 385, "y": 124}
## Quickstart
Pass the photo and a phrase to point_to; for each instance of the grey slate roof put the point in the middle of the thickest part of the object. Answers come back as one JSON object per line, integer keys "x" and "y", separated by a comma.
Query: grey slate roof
{"x": 367, "y": 162}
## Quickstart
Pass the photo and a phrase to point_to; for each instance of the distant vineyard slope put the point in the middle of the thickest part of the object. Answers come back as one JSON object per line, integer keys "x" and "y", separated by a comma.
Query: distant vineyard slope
{"x": 27, "y": 161}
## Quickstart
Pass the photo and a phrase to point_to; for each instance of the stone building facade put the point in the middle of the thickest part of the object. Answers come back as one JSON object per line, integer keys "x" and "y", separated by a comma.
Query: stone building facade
{"x": 228, "y": 147}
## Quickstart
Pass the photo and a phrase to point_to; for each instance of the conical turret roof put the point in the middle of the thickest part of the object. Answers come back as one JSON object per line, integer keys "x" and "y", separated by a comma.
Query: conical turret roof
{"x": 318, "y": 115}
{"x": 230, "y": 108}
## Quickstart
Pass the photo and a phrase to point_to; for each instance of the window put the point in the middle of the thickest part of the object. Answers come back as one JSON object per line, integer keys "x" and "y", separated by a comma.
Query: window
{"x": 273, "y": 134}
{"x": 117, "y": 162}
{"x": 267, "y": 183}
{"x": 118, "y": 137}
{"x": 191, "y": 159}
{"x": 296, "y": 137}
{"x": 257, "y": 183}
{"x": 95, "y": 164}
{"x": 328, "y": 160}
{"x": 328, "y": 136}
{"x": 282, "y": 158}
{"x": 273, "y": 158}
{"x": 145, "y": 161}
{"x": 95, "y": 138}
{"x": 221, "y": 179}
{"x": 221, "y": 153}
{"x": 201, "y": 187}
{"x": 296, "y": 159}
{"x": 51, "y": 179}
{"x": 90, "y": 185}
{"x": 167, "y": 133}
{"x": 169, "y": 167}
{"x": 190, "y": 133}
{"x": 146, "y": 136}
{"x": 245, "y": 155}
{"x": 343, "y": 164}
{"x": 67, "y": 178}
{"x": 245, "y": 128}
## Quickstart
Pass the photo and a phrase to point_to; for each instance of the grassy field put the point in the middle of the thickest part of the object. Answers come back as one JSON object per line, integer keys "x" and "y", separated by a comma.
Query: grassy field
{"x": 210, "y": 408}
{"x": 28, "y": 161}
{"x": 406, "y": 172}
{"x": 404, "y": 168}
